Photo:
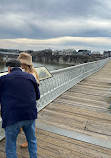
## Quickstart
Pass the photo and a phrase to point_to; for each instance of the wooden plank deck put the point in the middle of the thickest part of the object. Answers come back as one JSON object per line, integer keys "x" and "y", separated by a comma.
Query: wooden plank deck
{"x": 82, "y": 110}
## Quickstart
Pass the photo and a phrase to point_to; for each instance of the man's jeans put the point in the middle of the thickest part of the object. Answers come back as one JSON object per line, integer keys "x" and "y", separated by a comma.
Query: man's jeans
{"x": 11, "y": 133}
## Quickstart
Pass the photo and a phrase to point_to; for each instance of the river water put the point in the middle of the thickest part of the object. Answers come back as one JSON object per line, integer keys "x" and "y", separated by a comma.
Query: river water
{"x": 50, "y": 67}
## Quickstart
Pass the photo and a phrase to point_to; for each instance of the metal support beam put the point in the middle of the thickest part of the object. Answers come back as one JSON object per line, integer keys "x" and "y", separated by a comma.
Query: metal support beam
{"x": 75, "y": 135}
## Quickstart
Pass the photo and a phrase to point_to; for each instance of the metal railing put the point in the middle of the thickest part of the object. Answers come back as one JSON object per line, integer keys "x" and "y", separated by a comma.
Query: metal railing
{"x": 61, "y": 81}
{"x": 64, "y": 79}
{"x": 2, "y": 134}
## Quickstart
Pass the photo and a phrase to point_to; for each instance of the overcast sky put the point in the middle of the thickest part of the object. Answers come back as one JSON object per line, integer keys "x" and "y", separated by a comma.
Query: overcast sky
{"x": 55, "y": 24}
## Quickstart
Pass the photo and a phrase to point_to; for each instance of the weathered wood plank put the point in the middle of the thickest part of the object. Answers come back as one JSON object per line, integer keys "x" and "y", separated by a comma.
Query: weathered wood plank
{"x": 79, "y": 111}
{"x": 73, "y": 145}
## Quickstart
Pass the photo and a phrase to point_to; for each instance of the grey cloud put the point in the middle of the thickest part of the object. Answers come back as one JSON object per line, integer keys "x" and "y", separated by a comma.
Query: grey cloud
{"x": 35, "y": 18}
{"x": 54, "y": 8}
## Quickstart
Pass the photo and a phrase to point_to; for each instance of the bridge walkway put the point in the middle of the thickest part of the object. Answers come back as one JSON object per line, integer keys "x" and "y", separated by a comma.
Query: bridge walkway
{"x": 77, "y": 124}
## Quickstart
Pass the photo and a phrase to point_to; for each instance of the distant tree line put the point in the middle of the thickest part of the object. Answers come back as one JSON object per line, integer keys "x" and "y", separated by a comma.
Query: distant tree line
{"x": 48, "y": 56}
{"x": 2, "y": 62}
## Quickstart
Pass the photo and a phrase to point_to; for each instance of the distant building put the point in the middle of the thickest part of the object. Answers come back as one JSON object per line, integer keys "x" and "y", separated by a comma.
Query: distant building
{"x": 29, "y": 51}
{"x": 84, "y": 52}
{"x": 96, "y": 52}
{"x": 107, "y": 53}
{"x": 56, "y": 52}
{"x": 69, "y": 51}
{"x": 65, "y": 52}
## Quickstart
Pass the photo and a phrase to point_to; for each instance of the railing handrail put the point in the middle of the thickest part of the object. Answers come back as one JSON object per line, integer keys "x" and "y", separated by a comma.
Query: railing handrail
{"x": 75, "y": 66}
{"x": 65, "y": 78}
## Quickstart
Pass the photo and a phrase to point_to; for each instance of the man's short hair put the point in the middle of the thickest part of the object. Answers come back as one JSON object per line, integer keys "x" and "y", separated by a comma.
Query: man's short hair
{"x": 13, "y": 63}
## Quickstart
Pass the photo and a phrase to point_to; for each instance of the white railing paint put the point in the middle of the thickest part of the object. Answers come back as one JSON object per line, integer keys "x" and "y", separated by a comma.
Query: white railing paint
{"x": 64, "y": 79}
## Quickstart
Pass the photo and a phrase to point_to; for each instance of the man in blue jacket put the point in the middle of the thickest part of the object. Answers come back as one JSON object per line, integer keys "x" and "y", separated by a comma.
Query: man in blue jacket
{"x": 18, "y": 94}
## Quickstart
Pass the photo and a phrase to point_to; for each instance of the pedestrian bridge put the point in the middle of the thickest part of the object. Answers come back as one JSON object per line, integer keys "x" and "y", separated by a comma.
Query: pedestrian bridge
{"x": 73, "y": 120}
